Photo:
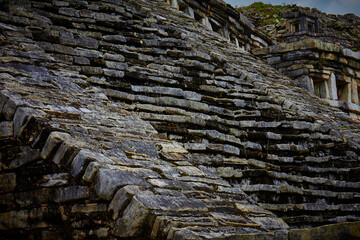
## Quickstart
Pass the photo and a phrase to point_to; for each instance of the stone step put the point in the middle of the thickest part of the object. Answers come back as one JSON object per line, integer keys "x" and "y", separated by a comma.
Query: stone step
{"x": 259, "y": 124}
{"x": 284, "y": 187}
{"x": 310, "y": 207}
{"x": 246, "y": 114}
{"x": 161, "y": 227}
{"x": 264, "y": 135}
{"x": 172, "y": 119}
{"x": 210, "y": 147}
{"x": 321, "y": 170}
{"x": 319, "y": 219}
{"x": 286, "y": 147}
{"x": 305, "y": 126}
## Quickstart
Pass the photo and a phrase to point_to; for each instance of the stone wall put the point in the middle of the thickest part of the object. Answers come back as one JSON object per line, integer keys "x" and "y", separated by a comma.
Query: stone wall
{"x": 292, "y": 23}
{"x": 127, "y": 119}
{"x": 225, "y": 20}
{"x": 304, "y": 24}
{"x": 327, "y": 37}
{"x": 331, "y": 72}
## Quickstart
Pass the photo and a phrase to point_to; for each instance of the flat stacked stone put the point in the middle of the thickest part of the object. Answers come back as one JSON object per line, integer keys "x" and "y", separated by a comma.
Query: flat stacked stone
{"x": 125, "y": 120}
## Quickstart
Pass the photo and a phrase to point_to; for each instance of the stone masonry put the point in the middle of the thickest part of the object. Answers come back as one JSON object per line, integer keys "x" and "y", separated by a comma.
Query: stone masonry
{"x": 304, "y": 23}
{"x": 130, "y": 120}
{"x": 331, "y": 72}
{"x": 220, "y": 17}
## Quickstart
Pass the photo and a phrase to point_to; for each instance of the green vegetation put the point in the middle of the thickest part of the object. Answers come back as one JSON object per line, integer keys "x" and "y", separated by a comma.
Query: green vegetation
{"x": 270, "y": 19}
{"x": 269, "y": 14}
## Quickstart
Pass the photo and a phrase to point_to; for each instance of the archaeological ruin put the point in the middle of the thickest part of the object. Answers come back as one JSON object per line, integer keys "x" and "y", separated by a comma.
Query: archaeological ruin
{"x": 154, "y": 119}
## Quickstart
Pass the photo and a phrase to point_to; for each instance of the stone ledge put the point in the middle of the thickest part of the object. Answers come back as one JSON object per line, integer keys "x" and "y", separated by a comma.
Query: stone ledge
{"x": 350, "y": 230}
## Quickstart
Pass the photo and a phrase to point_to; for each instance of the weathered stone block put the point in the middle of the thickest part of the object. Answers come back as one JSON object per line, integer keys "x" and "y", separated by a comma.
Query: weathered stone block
{"x": 231, "y": 190}
{"x": 140, "y": 147}
{"x": 10, "y": 107}
{"x": 21, "y": 116}
{"x": 86, "y": 13}
{"x": 114, "y": 57}
{"x": 39, "y": 217}
{"x": 69, "y": 12}
{"x": 83, "y": 158}
{"x": 273, "y": 60}
{"x": 142, "y": 204}
{"x": 87, "y": 42}
{"x": 172, "y": 147}
{"x": 123, "y": 197}
{"x": 88, "y": 208}
{"x": 349, "y": 53}
{"x": 53, "y": 140}
{"x": 89, "y": 70}
{"x": 273, "y": 136}
{"x": 271, "y": 223}
{"x": 116, "y": 65}
{"x": 307, "y": 54}
{"x": 166, "y": 169}
{"x": 7, "y": 182}
{"x": 100, "y": 232}
{"x": 71, "y": 193}
{"x": 197, "y": 55}
{"x": 298, "y": 72}
{"x": 81, "y": 60}
{"x": 60, "y": 3}
{"x": 7, "y": 201}
{"x": 14, "y": 220}
{"x": 133, "y": 220}
{"x": 58, "y": 48}
{"x": 114, "y": 38}
{"x": 6, "y": 129}
{"x": 91, "y": 171}
{"x": 225, "y": 148}
{"x": 170, "y": 203}
{"x": 335, "y": 231}
{"x": 26, "y": 155}
{"x": 251, "y": 145}
{"x": 191, "y": 171}
{"x": 66, "y": 153}
{"x": 252, "y": 209}
{"x": 87, "y": 53}
{"x": 113, "y": 73}
{"x": 225, "y": 172}
{"x": 57, "y": 179}
{"x": 37, "y": 196}
{"x": 108, "y": 180}
{"x": 80, "y": 162}
{"x": 171, "y": 184}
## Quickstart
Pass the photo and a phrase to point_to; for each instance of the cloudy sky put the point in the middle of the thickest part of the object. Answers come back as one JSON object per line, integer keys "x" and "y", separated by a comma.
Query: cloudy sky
{"x": 328, "y": 6}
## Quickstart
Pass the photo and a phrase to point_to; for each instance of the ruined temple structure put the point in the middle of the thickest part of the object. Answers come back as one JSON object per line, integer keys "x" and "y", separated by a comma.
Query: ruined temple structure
{"x": 301, "y": 23}
{"x": 304, "y": 23}
{"x": 323, "y": 62}
{"x": 134, "y": 119}
{"x": 329, "y": 71}
{"x": 225, "y": 20}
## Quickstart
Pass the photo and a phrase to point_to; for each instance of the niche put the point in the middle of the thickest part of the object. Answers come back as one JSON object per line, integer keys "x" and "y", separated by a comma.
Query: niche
{"x": 344, "y": 91}
{"x": 311, "y": 27}
{"x": 321, "y": 88}
{"x": 295, "y": 27}
{"x": 216, "y": 27}
{"x": 198, "y": 17}
{"x": 234, "y": 39}
{"x": 183, "y": 7}
{"x": 202, "y": 19}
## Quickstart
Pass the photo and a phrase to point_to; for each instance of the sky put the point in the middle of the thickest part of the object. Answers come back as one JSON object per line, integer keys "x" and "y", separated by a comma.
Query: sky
{"x": 328, "y": 6}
